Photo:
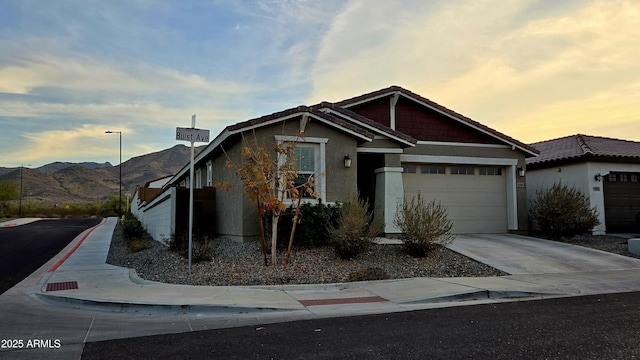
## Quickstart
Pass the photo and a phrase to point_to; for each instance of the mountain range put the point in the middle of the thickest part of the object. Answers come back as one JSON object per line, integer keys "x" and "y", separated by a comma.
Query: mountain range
{"x": 64, "y": 182}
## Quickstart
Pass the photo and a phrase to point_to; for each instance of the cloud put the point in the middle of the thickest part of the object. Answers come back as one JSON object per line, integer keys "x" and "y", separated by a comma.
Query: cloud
{"x": 511, "y": 65}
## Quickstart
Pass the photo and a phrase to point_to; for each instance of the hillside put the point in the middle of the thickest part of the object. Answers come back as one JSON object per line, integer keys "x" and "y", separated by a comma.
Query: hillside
{"x": 63, "y": 182}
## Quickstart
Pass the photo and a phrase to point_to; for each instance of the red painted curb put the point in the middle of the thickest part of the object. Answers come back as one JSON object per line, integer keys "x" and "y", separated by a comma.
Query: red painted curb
{"x": 61, "y": 261}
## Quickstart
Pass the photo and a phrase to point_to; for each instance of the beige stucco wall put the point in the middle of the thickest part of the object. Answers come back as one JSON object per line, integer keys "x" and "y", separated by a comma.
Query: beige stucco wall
{"x": 236, "y": 214}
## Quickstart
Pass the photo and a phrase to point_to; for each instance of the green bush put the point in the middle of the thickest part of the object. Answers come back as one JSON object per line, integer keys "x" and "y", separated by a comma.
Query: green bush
{"x": 356, "y": 228}
{"x": 315, "y": 220}
{"x": 134, "y": 234}
{"x": 425, "y": 226}
{"x": 132, "y": 228}
{"x": 563, "y": 212}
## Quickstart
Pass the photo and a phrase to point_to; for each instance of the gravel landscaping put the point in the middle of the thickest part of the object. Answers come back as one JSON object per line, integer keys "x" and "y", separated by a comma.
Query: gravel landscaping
{"x": 242, "y": 264}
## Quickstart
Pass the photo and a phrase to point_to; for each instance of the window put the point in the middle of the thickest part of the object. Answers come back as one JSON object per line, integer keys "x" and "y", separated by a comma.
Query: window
{"x": 432, "y": 169}
{"x": 306, "y": 164}
{"x": 462, "y": 170}
{"x": 611, "y": 177}
{"x": 634, "y": 177}
{"x": 623, "y": 178}
{"x": 198, "y": 175}
{"x": 310, "y": 154}
{"x": 490, "y": 171}
{"x": 409, "y": 169}
{"x": 209, "y": 174}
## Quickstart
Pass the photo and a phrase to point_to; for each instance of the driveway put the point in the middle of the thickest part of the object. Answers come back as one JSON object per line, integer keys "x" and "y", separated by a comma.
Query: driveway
{"x": 521, "y": 255}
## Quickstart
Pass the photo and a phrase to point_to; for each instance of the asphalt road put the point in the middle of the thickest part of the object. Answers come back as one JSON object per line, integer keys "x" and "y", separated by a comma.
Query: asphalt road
{"x": 590, "y": 327}
{"x": 25, "y": 248}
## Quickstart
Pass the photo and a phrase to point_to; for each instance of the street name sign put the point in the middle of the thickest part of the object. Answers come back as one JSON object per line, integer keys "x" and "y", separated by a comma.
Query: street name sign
{"x": 192, "y": 135}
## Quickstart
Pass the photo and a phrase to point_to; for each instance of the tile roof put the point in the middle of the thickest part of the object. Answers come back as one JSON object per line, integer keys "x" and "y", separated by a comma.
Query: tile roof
{"x": 583, "y": 147}
{"x": 457, "y": 116}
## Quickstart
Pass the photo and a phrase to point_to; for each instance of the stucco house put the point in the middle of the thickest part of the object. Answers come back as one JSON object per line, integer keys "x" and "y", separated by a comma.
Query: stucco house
{"x": 606, "y": 170}
{"x": 387, "y": 145}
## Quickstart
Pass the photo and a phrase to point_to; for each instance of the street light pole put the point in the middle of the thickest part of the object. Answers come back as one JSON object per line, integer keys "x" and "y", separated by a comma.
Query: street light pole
{"x": 20, "y": 197}
{"x": 120, "y": 166}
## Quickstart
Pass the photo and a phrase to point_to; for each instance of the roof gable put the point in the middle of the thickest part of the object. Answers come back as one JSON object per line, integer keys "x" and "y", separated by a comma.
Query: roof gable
{"x": 581, "y": 147}
{"x": 365, "y": 122}
{"x": 426, "y": 120}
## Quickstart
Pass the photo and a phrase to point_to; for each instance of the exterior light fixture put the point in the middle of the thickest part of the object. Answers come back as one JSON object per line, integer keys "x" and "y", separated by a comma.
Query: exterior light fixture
{"x": 598, "y": 178}
{"x": 347, "y": 161}
{"x": 521, "y": 171}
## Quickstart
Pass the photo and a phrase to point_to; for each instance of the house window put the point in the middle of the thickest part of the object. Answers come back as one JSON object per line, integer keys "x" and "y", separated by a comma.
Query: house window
{"x": 623, "y": 178}
{"x": 310, "y": 153}
{"x": 209, "y": 174}
{"x": 198, "y": 179}
{"x": 462, "y": 170}
{"x": 490, "y": 171}
{"x": 634, "y": 178}
{"x": 611, "y": 177}
{"x": 427, "y": 169}
{"x": 409, "y": 169}
{"x": 305, "y": 164}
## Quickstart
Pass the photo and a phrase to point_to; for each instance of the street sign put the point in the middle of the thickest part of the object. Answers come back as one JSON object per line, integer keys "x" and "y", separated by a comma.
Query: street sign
{"x": 192, "y": 135}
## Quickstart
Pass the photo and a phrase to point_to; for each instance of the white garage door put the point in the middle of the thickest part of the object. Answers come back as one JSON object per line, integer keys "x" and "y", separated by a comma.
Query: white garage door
{"x": 475, "y": 196}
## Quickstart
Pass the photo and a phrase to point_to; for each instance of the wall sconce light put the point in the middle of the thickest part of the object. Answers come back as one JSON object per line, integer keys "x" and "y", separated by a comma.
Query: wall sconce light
{"x": 598, "y": 178}
{"x": 347, "y": 161}
{"x": 521, "y": 171}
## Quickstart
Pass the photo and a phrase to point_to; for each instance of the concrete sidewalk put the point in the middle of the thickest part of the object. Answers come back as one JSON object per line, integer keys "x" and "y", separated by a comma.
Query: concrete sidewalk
{"x": 82, "y": 278}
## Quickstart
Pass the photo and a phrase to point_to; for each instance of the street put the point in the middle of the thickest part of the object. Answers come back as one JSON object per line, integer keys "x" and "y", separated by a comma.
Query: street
{"x": 589, "y": 327}
{"x": 23, "y": 249}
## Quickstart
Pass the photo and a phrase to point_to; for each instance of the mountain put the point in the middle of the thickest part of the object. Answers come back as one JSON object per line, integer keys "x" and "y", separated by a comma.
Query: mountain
{"x": 56, "y": 166}
{"x": 63, "y": 183}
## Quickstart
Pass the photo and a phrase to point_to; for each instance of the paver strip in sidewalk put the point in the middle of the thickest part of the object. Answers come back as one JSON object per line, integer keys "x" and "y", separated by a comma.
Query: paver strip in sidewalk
{"x": 340, "y": 301}
{"x": 59, "y": 286}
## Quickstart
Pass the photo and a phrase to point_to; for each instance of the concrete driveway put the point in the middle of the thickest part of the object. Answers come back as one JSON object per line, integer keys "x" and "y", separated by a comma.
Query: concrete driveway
{"x": 521, "y": 255}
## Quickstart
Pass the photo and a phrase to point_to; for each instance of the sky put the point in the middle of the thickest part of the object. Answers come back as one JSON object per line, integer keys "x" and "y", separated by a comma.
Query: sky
{"x": 532, "y": 69}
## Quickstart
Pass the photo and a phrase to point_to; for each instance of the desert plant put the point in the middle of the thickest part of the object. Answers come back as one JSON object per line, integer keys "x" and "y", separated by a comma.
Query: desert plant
{"x": 271, "y": 182}
{"x": 200, "y": 246}
{"x": 134, "y": 234}
{"x": 368, "y": 274}
{"x": 563, "y": 212}
{"x": 424, "y": 225}
{"x": 356, "y": 228}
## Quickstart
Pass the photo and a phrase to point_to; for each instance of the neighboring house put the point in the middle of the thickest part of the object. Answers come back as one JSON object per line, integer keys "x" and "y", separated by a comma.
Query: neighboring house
{"x": 606, "y": 170}
{"x": 387, "y": 145}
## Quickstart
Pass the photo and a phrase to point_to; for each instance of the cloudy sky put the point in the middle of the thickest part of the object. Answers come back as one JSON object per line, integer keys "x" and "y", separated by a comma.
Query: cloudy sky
{"x": 532, "y": 69}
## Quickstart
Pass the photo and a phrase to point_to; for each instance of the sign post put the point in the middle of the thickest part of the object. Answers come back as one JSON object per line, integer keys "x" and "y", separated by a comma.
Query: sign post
{"x": 192, "y": 135}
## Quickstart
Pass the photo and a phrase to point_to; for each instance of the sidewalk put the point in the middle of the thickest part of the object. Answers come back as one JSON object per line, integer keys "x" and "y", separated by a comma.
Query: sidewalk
{"x": 82, "y": 278}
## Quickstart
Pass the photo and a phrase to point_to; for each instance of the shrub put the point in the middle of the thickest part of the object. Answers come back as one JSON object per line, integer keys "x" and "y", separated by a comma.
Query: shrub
{"x": 134, "y": 234}
{"x": 424, "y": 226}
{"x": 563, "y": 211}
{"x": 200, "y": 246}
{"x": 368, "y": 274}
{"x": 356, "y": 228}
{"x": 132, "y": 228}
{"x": 315, "y": 220}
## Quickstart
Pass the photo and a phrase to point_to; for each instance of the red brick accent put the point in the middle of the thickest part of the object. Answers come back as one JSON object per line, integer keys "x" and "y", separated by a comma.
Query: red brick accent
{"x": 353, "y": 300}
{"x": 58, "y": 286}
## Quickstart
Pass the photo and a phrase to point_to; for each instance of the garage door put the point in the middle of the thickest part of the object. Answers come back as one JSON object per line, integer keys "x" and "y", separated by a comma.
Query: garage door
{"x": 475, "y": 196}
{"x": 622, "y": 202}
